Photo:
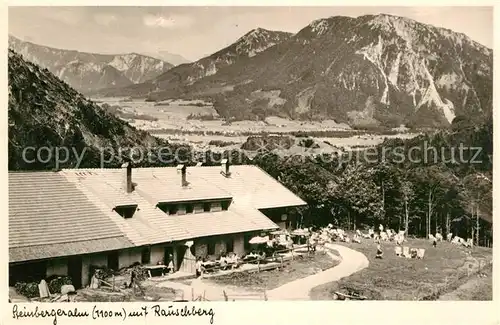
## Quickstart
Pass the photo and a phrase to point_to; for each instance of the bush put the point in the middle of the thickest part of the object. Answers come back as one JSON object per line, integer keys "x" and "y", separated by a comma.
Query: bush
{"x": 57, "y": 282}
{"x": 29, "y": 290}
{"x": 220, "y": 143}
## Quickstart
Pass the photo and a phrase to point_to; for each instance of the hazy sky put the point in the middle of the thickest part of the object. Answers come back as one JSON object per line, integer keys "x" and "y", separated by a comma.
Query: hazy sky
{"x": 194, "y": 32}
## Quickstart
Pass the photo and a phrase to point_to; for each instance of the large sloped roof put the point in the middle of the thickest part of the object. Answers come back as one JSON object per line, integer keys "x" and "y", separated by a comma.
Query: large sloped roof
{"x": 77, "y": 206}
{"x": 45, "y": 210}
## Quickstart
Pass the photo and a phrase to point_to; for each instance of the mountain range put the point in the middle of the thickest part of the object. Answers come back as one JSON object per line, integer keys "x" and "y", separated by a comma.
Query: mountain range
{"x": 172, "y": 58}
{"x": 246, "y": 47}
{"x": 365, "y": 71}
{"x": 87, "y": 72}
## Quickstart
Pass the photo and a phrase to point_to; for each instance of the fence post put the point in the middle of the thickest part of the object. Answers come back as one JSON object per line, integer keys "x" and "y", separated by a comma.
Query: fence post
{"x": 265, "y": 296}
{"x": 258, "y": 266}
{"x": 113, "y": 282}
{"x": 281, "y": 261}
{"x": 225, "y": 295}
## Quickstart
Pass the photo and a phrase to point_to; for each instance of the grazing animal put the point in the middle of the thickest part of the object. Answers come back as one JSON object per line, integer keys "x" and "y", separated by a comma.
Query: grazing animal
{"x": 439, "y": 237}
{"x": 457, "y": 240}
{"x": 420, "y": 253}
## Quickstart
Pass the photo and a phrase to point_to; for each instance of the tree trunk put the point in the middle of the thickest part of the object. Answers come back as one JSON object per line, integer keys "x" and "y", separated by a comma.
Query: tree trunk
{"x": 383, "y": 205}
{"x": 407, "y": 218}
{"x": 447, "y": 223}
{"x": 429, "y": 213}
{"x": 477, "y": 225}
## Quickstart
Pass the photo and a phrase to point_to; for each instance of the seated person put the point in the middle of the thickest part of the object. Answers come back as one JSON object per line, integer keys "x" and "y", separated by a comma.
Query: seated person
{"x": 223, "y": 261}
{"x": 379, "y": 252}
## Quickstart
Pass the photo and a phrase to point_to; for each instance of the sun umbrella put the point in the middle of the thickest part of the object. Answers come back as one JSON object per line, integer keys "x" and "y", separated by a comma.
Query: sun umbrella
{"x": 300, "y": 232}
{"x": 258, "y": 240}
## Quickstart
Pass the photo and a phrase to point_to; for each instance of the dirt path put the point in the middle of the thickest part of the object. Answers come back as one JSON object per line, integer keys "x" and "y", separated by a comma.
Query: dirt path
{"x": 352, "y": 261}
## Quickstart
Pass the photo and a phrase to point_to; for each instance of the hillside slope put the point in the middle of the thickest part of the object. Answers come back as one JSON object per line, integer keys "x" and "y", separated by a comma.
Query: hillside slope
{"x": 45, "y": 112}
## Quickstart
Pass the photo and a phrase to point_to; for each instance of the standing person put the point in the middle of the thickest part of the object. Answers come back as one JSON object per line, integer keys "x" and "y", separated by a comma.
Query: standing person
{"x": 170, "y": 265}
{"x": 434, "y": 242}
{"x": 198, "y": 267}
{"x": 132, "y": 279}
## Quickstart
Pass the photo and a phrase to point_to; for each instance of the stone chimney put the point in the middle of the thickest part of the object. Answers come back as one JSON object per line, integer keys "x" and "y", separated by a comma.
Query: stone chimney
{"x": 127, "y": 177}
{"x": 182, "y": 170}
{"x": 225, "y": 168}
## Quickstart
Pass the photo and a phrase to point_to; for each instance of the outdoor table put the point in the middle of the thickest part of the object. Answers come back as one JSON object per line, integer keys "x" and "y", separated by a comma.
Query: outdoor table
{"x": 209, "y": 266}
{"x": 150, "y": 268}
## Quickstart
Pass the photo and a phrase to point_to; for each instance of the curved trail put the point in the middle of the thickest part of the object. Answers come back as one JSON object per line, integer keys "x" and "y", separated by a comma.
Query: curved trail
{"x": 352, "y": 262}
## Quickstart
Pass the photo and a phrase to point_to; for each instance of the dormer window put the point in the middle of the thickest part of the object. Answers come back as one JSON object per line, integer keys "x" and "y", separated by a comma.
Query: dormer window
{"x": 225, "y": 205}
{"x": 126, "y": 211}
{"x": 206, "y": 207}
{"x": 189, "y": 208}
{"x": 168, "y": 208}
{"x": 172, "y": 209}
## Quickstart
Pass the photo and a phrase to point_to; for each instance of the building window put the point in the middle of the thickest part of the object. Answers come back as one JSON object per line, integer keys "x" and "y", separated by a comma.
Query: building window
{"x": 146, "y": 255}
{"x": 126, "y": 212}
{"x": 230, "y": 245}
{"x": 206, "y": 207}
{"x": 189, "y": 208}
{"x": 172, "y": 209}
{"x": 225, "y": 205}
{"x": 211, "y": 248}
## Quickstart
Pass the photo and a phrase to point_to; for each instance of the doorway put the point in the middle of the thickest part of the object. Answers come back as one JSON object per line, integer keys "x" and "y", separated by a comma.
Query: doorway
{"x": 113, "y": 260}
{"x": 75, "y": 270}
